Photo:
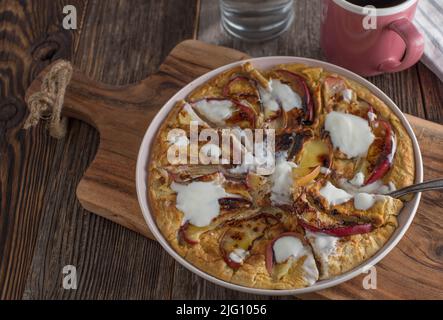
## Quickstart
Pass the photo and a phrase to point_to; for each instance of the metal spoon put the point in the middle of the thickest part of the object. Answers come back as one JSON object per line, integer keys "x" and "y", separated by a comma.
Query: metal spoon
{"x": 419, "y": 187}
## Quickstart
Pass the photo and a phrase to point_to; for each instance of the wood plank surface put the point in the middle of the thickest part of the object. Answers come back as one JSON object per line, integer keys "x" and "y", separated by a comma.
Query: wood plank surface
{"x": 30, "y": 36}
{"x": 112, "y": 262}
{"x": 40, "y": 218}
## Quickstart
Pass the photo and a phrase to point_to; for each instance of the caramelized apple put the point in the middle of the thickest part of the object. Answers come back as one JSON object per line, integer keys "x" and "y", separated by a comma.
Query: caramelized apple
{"x": 241, "y": 236}
{"x": 269, "y": 259}
{"x": 244, "y": 117}
{"x": 191, "y": 234}
{"x": 255, "y": 181}
{"x": 242, "y": 114}
{"x": 316, "y": 153}
{"x": 299, "y": 85}
{"x": 332, "y": 87}
{"x": 385, "y": 158}
{"x": 241, "y": 86}
{"x": 304, "y": 176}
{"x": 340, "y": 231}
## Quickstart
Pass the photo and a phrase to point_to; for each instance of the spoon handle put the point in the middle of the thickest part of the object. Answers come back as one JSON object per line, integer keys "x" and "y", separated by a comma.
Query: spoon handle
{"x": 419, "y": 187}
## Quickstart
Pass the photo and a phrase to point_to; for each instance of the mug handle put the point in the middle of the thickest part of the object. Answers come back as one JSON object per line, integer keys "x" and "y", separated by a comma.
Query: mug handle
{"x": 414, "y": 46}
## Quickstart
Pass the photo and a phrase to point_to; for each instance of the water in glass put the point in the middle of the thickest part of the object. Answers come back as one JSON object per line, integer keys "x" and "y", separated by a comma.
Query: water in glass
{"x": 256, "y": 20}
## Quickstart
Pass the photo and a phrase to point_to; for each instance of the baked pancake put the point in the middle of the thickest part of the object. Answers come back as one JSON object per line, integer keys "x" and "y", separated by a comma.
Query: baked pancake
{"x": 319, "y": 210}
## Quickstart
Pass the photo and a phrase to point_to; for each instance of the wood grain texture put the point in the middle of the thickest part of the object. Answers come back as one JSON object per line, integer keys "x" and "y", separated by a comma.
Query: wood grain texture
{"x": 30, "y": 37}
{"x": 122, "y": 42}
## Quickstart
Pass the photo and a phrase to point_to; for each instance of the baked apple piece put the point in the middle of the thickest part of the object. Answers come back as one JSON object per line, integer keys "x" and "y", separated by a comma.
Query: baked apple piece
{"x": 299, "y": 86}
{"x": 332, "y": 86}
{"x": 240, "y": 86}
{"x": 240, "y": 236}
{"x": 386, "y": 152}
{"x": 286, "y": 101}
{"x": 259, "y": 187}
{"x": 243, "y": 88}
{"x": 222, "y": 112}
{"x": 343, "y": 231}
{"x": 315, "y": 154}
{"x": 191, "y": 234}
{"x": 230, "y": 208}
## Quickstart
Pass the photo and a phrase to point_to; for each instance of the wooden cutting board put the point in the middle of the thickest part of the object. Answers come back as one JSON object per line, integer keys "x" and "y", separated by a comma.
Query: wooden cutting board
{"x": 122, "y": 114}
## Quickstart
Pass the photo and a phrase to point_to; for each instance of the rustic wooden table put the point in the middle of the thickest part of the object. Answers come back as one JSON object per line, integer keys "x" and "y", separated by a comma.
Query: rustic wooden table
{"x": 42, "y": 226}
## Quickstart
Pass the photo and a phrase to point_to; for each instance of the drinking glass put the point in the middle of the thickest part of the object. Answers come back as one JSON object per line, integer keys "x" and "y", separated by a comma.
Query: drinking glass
{"x": 256, "y": 20}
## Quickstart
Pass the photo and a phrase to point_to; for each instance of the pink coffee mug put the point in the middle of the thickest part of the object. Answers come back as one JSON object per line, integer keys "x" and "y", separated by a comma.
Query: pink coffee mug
{"x": 394, "y": 45}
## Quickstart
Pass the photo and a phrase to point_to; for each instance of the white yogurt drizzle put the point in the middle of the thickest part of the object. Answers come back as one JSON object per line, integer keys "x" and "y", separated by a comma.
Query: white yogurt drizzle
{"x": 358, "y": 180}
{"x": 325, "y": 171}
{"x": 194, "y": 116}
{"x": 324, "y": 246}
{"x": 347, "y": 95}
{"x": 238, "y": 255}
{"x": 289, "y": 247}
{"x": 279, "y": 94}
{"x": 199, "y": 201}
{"x": 334, "y": 195}
{"x": 281, "y": 190}
{"x": 363, "y": 197}
{"x": 377, "y": 187}
{"x": 216, "y": 111}
{"x": 394, "y": 147}
{"x": 364, "y": 201}
{"x": 349, "y": 133}
{"x": 372, "y": 116}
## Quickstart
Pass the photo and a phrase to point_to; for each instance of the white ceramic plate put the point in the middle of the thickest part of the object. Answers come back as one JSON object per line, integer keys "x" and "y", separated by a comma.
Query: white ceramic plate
{"x": 405, "y": 218}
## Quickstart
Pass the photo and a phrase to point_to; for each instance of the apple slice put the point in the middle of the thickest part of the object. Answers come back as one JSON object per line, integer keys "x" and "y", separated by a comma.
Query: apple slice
{"x": 237, "y": 114}
{"x": 385, "y": 158}
{"x": 332, "y": 87}
{"x": 255, "y": 181}
{"x": 241, "y": 86}
{"x": 191, "y": 234}
{"x": 259, "y": 188}
{"x": 340, "y": 231}
{"x": 241, "y": 236}
{"x": 274, "y": 119}
{"x": 316, "y": 153}
{"x": 303, "y": 176}
{"x": 299, "y": 85}
{"x": 243, "y": 114}
{"x": 269, "y": 255}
